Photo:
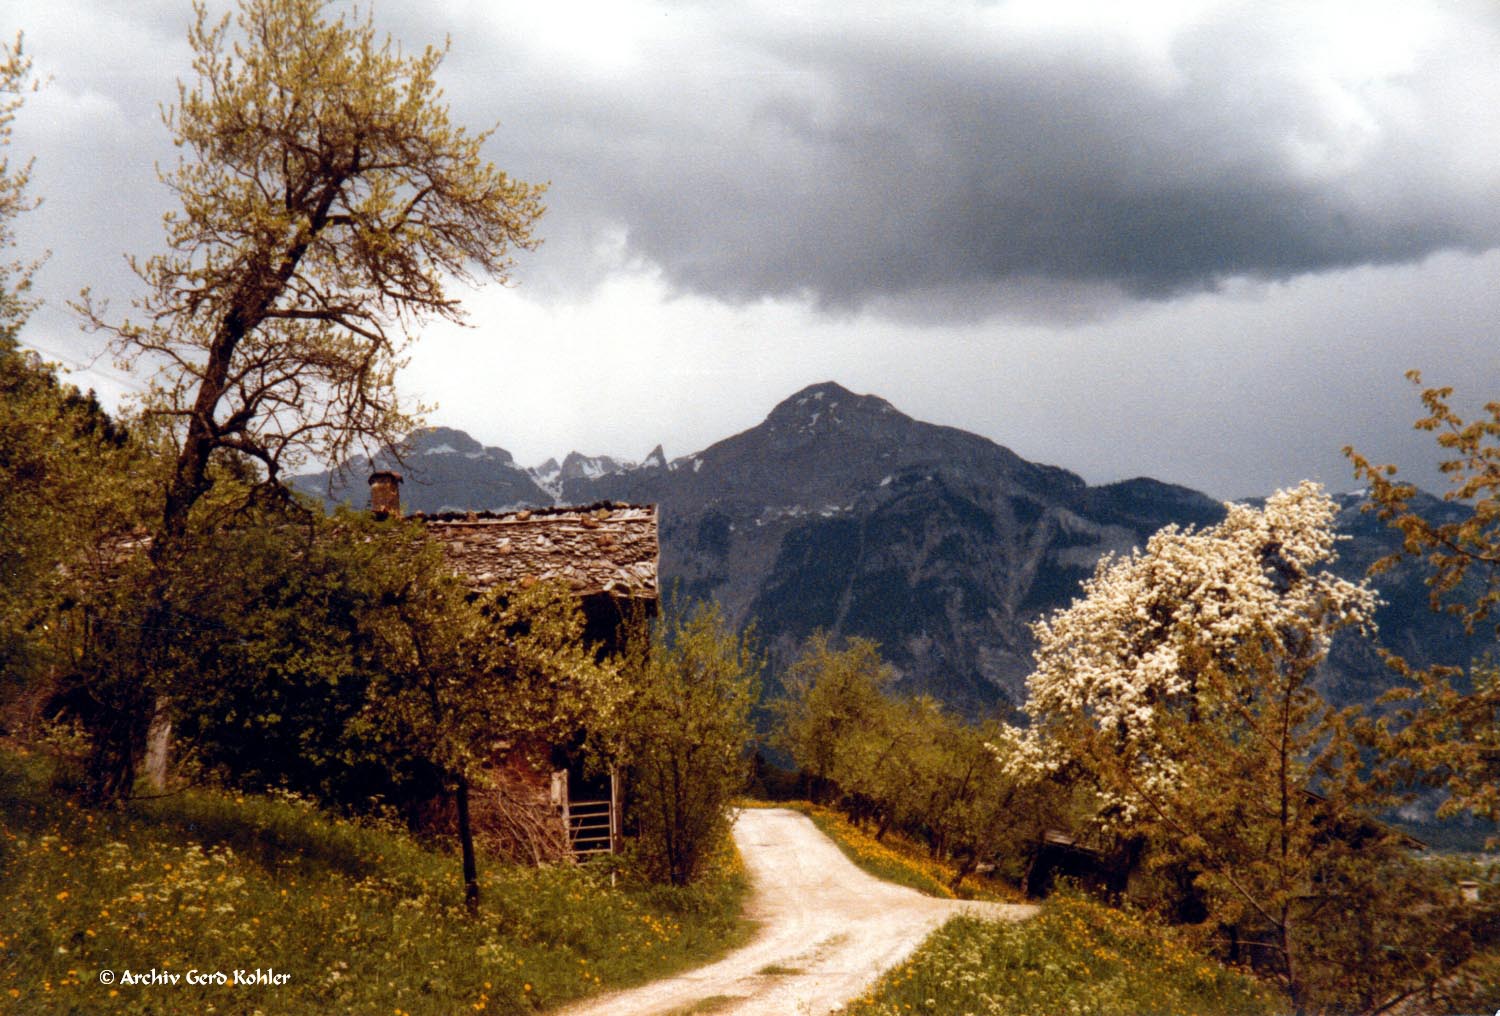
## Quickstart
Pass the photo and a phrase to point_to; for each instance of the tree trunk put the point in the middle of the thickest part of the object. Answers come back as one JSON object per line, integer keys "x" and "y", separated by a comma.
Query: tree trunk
{"x": 965, "y": 869}
{"x": 466, "y": 844}
{"x": 1294, "y": 986}
{"x": 110, "y": 772}
{"x": 159, "y": 745}
{"x": 119, "y": 739}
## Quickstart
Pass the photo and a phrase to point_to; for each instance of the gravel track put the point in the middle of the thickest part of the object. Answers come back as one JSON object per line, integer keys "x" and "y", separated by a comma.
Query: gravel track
{"x": 827, "y": 931}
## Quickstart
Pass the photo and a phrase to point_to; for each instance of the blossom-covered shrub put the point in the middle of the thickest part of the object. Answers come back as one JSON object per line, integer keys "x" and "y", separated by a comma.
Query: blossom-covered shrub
{"x": 1180, "y": 689}
{"x": 1225, "y": 623}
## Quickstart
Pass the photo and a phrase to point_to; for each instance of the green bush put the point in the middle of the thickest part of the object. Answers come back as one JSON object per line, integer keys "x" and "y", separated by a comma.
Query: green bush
{"x": 686, "y": 735}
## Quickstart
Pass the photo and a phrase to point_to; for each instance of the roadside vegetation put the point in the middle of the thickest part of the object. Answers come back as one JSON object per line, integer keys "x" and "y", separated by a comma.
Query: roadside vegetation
{"x": 901, "y": 859}
{"x": 360, "y": 916}
{"x": 1077, "y": 957}
{"x": 685, "y": 735}
{"x": 901, "y": 767}
{"x": 1180, "y": 758}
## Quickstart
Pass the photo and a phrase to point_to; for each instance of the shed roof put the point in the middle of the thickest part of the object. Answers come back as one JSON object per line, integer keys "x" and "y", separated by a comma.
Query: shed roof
{"x": 602, "y": 548}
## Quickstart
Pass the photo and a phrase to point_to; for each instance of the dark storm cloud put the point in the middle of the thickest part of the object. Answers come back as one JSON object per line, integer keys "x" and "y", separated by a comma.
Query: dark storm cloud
{"x": 925, "y": 161}
{"x": 863, "y": 159}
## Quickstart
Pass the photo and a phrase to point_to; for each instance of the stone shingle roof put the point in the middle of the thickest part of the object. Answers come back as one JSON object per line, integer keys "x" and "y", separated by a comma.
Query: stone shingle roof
{"x": 603, "y": 548}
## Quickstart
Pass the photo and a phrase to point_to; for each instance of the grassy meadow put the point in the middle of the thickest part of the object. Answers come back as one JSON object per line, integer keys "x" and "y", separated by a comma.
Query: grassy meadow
{"x": 1077, "y": 958}
{"x": 359, "y": 918}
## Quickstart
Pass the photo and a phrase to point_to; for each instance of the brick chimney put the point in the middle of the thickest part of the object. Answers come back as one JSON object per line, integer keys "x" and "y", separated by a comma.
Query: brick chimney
{"x": 385, "y": 493}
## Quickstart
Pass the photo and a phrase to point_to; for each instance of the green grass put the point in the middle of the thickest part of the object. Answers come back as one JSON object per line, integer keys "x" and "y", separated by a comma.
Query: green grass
{"x": 1078, "y": 957}
{"x": 362, "y": 919}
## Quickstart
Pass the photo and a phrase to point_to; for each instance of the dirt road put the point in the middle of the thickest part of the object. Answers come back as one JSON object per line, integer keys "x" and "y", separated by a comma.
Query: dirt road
{"x": 827, "y": 930}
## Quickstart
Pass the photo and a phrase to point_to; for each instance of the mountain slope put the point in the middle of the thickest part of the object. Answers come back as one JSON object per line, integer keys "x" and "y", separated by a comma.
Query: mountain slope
{"x": 840, "y": 512}
{"x": 443, "y": 469}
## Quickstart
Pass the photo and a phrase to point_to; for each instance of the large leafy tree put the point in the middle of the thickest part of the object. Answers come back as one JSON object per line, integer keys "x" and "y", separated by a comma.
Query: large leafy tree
{"x": 1181, "y": 683}
{"x": 25, "y": 560}
{"x": 74, "y": 487}
{"x": 1451, "y": 730}
{"x": 15, "y": 273}
{"x": 287, "y": 609}
{"x": 327, "y": 203}
{"x": 71, "y": 482}
{"x": 831, "y": 696}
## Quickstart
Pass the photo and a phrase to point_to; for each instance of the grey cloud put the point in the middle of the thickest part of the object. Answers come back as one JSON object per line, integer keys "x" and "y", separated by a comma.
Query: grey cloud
{"x": 916, "y": 161}
{"x": 861, "y": 167}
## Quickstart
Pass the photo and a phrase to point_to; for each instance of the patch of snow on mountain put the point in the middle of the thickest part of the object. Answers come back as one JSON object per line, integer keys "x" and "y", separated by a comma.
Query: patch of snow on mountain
{"x": 548, "y": 476}
{"x": 777, "y": 513}
{"x": 442, "y": 449}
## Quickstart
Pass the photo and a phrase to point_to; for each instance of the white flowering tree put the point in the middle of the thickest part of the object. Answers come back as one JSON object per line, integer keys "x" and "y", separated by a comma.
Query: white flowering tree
{"x": 1202, "y": 626}
{"x": 1181, "y": 683}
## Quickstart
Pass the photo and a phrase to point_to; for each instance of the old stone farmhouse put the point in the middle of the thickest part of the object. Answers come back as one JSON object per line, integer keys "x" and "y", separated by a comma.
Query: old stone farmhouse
{"x": 608, "y": 555}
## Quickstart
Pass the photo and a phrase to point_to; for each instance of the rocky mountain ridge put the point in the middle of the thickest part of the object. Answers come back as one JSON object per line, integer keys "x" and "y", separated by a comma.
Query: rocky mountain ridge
{"x": 840, "y": 512}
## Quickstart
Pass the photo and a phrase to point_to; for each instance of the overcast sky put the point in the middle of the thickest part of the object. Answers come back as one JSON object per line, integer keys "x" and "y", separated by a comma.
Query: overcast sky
{"x": 1196, "y": 241}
